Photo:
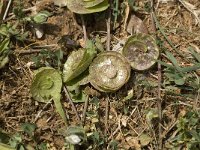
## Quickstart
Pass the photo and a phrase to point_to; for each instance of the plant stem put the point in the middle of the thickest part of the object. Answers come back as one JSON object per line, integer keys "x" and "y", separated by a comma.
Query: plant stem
{"x": 84, "y": 28}
{"x": 85, "y": 110}
{"x": 71, "y": 102}
{"x": 108, "y": 28}
{"x": 159, "y": 100}
{"x": 107, "y": 115}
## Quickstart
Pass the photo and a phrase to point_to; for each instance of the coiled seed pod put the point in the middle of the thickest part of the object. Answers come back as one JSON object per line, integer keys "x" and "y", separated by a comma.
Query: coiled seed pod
{"x": 47, "y": 85}
{"x": 141, "y": 51}
{"x": 109, "y": 71}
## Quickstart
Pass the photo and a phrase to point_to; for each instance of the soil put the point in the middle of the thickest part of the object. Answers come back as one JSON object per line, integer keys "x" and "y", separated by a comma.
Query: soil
{"x": 127, "y": 120}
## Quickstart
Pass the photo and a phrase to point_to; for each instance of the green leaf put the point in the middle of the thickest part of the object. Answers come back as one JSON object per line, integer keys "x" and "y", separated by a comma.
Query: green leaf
{"x": 46, "y": 85}
{"x": 194, "y": 54}
{"x": 41, "y": 17}
{"x": 130, "y": 95}
{"x": 4, "y": 30}
{"x": 190, "y": 68}
{"x": 75, "y": 83}
{"x": 151, "y": 114}
{"x": 29, "y": 128}
{"x": 77, "y": 62}
{"x": 166, "y": 65}
{"x": 145, "y": 139}
{"x": 173, "y": 60}
{"x": 92, "y": 3}
{"x": 6, "y": 147}
{"x": 4, "y": 137}
{"x": 78, "y": 98}
{"x": 179, "y": 81}
{"x": 98, "y": 44}
{"x": 42, "y": 146}
{"x": 15, "y": 140}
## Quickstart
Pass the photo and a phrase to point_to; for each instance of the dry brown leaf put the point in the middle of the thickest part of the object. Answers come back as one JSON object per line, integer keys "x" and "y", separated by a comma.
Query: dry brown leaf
{"x": 133, "y": 143}
{"x": 136, "y": 25}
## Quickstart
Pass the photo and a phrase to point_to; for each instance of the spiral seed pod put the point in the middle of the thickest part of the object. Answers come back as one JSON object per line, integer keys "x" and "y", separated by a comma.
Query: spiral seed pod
{"x": 87, "y": 6}
{"x": 109, "y": 71}
{"x": 46, "y": 85}
{"x": 141, "y": 51}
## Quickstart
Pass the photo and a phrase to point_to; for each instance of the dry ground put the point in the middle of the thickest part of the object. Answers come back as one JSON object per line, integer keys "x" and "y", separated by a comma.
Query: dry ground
{"x": 127, "y": 119}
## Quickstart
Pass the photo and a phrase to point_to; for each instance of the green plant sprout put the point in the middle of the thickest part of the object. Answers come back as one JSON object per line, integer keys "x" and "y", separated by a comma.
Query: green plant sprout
{"x": 176, "y": 73}
{"x": 8, "y": 31}
{"x": 187, "y": 133}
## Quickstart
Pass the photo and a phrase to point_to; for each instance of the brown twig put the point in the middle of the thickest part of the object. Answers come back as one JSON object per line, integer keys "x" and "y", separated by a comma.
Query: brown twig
{"x": 71, "y": 102}
{"x": 35, "y": 49}
{"x": 39, "y": 113}
{"x": 108, "y": 49}
{"x": 159, "y": 101}
{"x": 107, "y": 114}
{"x": 28, "y": 51}
{"x": 85, "y": 110}
{"x": 108, "y": 28}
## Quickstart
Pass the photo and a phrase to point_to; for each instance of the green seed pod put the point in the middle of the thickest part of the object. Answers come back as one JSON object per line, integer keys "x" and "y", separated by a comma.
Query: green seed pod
{"x": 141, "y": 51}
{"x": 47, "y": 85}
{"x": 87, "y": 6}
{"x": 109, "y": 71}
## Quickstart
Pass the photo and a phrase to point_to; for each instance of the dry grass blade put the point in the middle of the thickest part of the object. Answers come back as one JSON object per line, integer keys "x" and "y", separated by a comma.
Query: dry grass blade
{"x": 193, "y": 9}
{"x": 7, "y": 9}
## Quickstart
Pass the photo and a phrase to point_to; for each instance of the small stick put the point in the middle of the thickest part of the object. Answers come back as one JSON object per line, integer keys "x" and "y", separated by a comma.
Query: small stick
{"x": 85, "y": 110}
{"x": 108, "y": 28}
{"x": 84, "y": 29}
{"x": 107, "y": 115}
{"x": 71, "y": 102}
{"x": 39, "y": 113}
{"x": 29, "y": 51}
{"x": 7, "y": 8}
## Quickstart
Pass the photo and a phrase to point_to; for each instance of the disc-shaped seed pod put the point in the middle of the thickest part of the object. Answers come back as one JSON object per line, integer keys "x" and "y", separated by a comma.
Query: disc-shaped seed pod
{"x": 47, "y": 85}
{"x": 87, "y": 6}
{"x": 109, "y": 71}
{"x": 141, "y": 51}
